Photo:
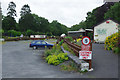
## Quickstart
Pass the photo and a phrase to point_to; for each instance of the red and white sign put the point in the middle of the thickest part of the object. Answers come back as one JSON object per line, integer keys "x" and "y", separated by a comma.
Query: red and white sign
{"x": 86, "y": 40}
{"x": 85, "y": 54}
{"x": 85, "y": 48}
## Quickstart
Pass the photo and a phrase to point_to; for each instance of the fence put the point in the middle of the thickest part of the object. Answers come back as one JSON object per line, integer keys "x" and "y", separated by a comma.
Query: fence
{"x": 73, "y": 46}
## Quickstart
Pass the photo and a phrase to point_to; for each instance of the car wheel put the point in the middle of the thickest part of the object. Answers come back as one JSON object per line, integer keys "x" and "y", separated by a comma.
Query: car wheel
{"x": 34, "y": 47}
{"x": 49, "y": 47}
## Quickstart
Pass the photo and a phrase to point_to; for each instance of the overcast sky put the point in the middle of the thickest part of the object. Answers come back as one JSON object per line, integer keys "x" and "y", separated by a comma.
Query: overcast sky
{"x": 67, "y": 12}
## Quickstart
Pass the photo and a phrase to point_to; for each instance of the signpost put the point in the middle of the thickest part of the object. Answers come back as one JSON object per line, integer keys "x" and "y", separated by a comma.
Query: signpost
{"x": 86, "y": 51}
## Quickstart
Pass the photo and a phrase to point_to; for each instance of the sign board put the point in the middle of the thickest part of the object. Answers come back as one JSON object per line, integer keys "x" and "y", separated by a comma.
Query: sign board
{"x": 86, "y": 40}
{"x": 84, "y": 66}
{"x": 85, "y": 54}
{"x": 85, "y": 48}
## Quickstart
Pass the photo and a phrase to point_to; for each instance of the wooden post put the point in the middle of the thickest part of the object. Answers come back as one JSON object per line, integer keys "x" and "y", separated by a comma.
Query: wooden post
{"x": 90, "y": 61}
{"x": 90, "y": 64}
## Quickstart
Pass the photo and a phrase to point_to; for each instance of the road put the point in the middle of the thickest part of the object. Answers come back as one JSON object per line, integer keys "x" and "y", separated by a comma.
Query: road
{"x": 19, "y": 61}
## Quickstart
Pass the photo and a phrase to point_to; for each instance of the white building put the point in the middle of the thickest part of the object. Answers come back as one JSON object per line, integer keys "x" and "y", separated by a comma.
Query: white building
{"x": 105, "y": 29}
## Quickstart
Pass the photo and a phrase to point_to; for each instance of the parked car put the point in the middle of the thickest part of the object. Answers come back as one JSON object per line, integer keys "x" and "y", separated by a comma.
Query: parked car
{"x": 40, "y": 43}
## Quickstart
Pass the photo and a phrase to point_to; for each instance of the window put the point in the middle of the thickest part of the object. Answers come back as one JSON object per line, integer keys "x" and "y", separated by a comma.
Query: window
{"x": 43, "y": 42}
{"x": 33, "y": 42}
{"x": 38, "y": 42}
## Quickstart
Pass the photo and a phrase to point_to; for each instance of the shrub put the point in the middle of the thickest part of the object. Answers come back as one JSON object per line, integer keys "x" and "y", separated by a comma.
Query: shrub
{"x": 116, "y": 50}
{"x": 111, "y": 41}
{"x": 54, "y": 51}
{"x": 57, "y": 59}
{"x": 47, "y": 53}
{"x": 29, "y": 32}
{"x": 60, "y": 43}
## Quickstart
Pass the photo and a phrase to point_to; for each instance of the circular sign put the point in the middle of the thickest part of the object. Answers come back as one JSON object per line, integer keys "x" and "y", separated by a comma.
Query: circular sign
{"x": 86, "y": 40}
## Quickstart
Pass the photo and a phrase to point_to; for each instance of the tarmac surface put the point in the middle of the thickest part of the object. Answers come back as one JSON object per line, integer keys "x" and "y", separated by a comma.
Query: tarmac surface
{"x": 20, "y": 61}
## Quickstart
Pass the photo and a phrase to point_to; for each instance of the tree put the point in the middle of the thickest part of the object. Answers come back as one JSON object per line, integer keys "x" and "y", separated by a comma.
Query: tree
{"x": 25, "y": 10}
{"x": 11, "y": 9}
{"x": 94, "y": 17}
{"x": 113, "y": 12}
{"x": 9, "y": 22}
{"x": 57, "y": 28}
{"x": 26, "y": 21}
{"x": 100, "y": 11}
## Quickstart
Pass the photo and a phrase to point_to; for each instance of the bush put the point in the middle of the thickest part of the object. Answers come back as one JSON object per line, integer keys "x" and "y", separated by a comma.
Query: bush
{"x": 13, "y": 33}
{"x": 116, "y": 50}
{"x": 57, "y": 59}
{"x": 112, "y": 42}
{"x": 54, "y": 51}
{"x": 1, "y": 32}
{"x": 29, "y": 32}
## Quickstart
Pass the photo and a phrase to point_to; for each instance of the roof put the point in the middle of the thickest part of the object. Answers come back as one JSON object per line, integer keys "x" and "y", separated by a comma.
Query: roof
{"x": 80, "y": 30}
{"x": 106, "y": 20}
{"x": 89, "y": 29}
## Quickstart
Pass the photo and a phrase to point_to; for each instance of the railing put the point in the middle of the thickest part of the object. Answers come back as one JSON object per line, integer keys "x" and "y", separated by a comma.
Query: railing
{"x": 73, "y": 46}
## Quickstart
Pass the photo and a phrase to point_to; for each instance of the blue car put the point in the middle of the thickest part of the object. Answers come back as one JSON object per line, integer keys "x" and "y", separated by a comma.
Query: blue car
{"x": 40, "y": 43}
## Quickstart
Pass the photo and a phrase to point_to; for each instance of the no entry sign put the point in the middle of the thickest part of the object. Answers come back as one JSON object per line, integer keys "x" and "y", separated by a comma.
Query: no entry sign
{"x": 86, "y": 40}
{"x": 85, "y": 54}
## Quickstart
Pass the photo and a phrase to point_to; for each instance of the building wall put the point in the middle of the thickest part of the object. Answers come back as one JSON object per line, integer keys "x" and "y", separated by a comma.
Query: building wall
{"x": 104, "y": 30}
{"x": 76, "y": 34}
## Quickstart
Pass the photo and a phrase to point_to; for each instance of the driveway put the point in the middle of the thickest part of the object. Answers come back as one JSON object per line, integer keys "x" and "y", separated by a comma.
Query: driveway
{"x": 19, "y": 61}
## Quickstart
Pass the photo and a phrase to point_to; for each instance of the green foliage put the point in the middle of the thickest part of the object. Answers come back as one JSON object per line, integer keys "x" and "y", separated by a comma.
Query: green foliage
{"x": 54, "y": 51}
{"x": 25, "y": 10}
{"x": 65, "y": 46}
{"x": 26, "y": 22}
{"x": 61, "y": 42}
{"x": 55, "y": 56}
{"x": 14, "y": 33}
{"x": 11, "y": 9}
{"x": 48, "y": 52}
{"x": 1, "y": 31}
{"x": 8, "y": 23}
{"x": 116, "y": 50}
{"x": 57, "y": 59}
{"x": 29, "y": 32}
{"x": 30, "y": 21}
{"x": 112, "y": 43}
{"x": 69, "y": 38}
{"x": 57, "y": 28}
{"x": 113, "y": 12}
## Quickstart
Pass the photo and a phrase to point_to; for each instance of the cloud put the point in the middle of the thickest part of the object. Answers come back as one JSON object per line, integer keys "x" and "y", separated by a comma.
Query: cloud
{"x": 68, "y": 12}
